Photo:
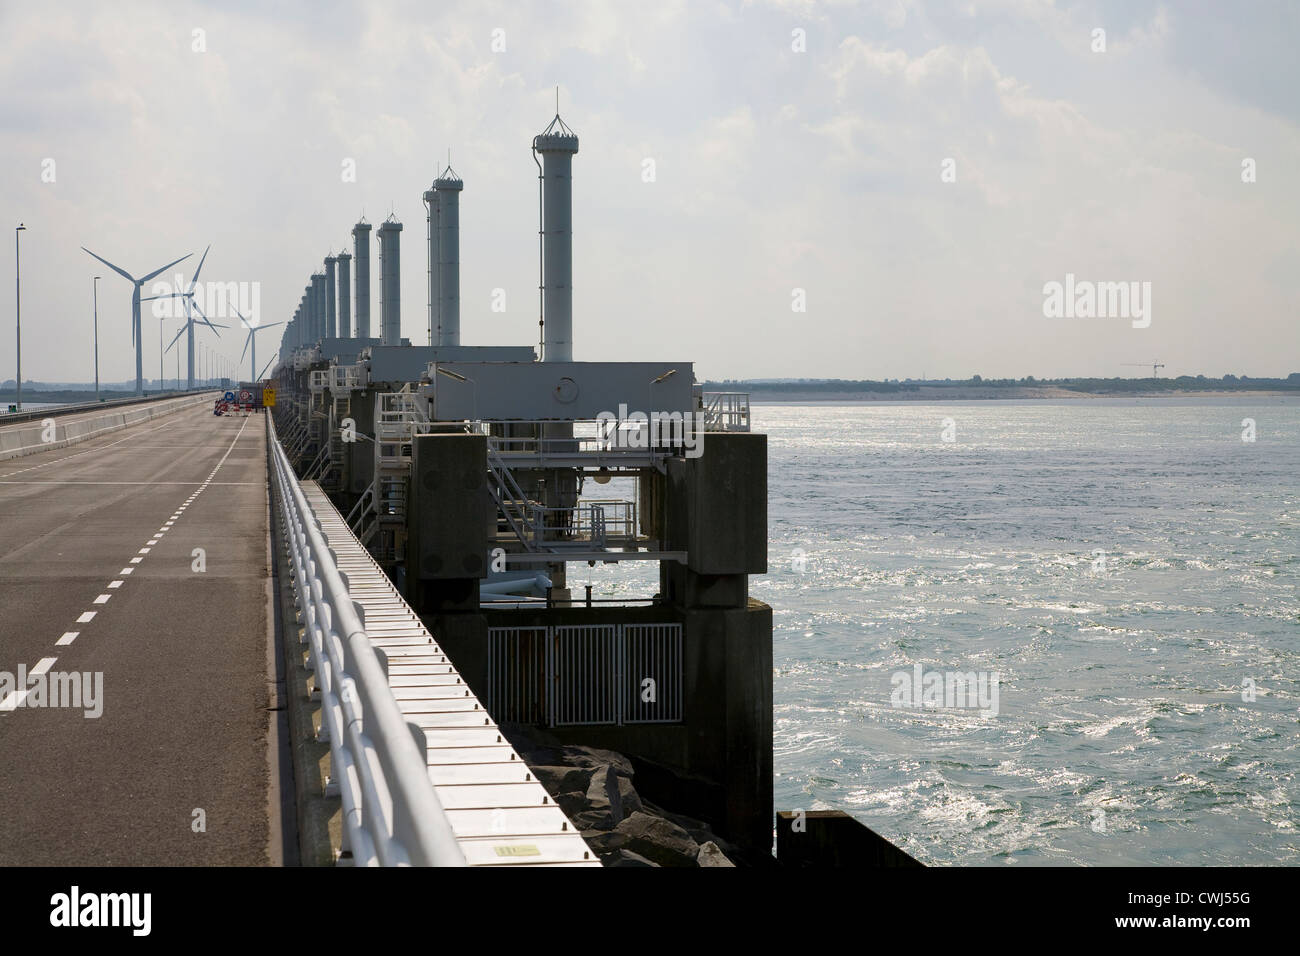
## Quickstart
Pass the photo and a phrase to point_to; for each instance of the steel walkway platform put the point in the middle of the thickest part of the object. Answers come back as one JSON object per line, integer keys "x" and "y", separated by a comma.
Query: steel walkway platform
{"x": 500, "y": 814}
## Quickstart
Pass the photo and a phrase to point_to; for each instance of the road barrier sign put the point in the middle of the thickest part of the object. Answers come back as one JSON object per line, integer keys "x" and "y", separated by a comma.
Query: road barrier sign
{"x": 268, "y": 396}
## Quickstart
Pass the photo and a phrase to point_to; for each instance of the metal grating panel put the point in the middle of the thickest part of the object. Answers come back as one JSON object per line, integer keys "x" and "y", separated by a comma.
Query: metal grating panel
{"x": 586, "y": 674}
{"x": 652, "y": 682}
{"x": 583, "y": 672}
{"x": 516, "y": 671}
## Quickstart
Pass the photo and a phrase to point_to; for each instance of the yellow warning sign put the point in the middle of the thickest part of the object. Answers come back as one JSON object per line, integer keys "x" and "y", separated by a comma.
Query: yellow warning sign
{"x": 518, "y": 849}
{"x": 268, "y": 397}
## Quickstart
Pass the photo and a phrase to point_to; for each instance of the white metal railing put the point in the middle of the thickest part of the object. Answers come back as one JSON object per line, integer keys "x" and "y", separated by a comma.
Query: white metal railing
{"x": 319, "y": 380}
{"x": 726, "y": 411}
{"x": 589, "y": 522}
{"x": 391, "y": 814}
{"x": 344, "y": 378}
{"x": 580, "y": 442}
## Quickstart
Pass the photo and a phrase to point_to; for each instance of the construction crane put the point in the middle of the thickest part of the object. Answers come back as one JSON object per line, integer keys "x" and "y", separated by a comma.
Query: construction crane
{"x": 1155, "y": 367}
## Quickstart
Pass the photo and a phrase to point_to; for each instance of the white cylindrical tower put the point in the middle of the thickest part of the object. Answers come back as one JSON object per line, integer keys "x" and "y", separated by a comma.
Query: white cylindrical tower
{"x": 448, "y": 187}
{"x": 390, "y": 281}
{"x": 318, "y": 303}
{"x": 361, "y": 250}
{"x": 557, "y": 145}
{"x": 345, "y": 295}
{"x": 431, "y": 241}
{"x": 331, "y": 315}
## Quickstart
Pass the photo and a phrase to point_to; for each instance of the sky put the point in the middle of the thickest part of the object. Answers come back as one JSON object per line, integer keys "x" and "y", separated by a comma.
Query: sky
{"x": 875, "y": 189}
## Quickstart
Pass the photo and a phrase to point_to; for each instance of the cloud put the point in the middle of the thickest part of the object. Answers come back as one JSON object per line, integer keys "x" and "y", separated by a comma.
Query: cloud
{"x": 774, "y": 170}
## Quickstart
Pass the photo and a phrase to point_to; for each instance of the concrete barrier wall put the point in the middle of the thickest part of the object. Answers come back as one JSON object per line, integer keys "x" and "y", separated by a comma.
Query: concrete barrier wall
{"x": 29, "y": 439}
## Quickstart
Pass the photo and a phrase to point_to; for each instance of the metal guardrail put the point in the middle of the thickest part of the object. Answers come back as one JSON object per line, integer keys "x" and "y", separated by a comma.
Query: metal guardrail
{"x": 586, "y": 442}
{"x": 391, "y": 814}
{"x": 726, "y": 411}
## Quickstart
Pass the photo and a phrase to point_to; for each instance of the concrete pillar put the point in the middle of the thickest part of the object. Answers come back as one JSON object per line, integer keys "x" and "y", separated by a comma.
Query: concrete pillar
{"x": 448, "y": 513}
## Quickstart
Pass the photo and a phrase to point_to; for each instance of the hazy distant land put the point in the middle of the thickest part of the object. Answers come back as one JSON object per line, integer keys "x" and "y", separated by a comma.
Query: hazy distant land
{"x": 976, "y": 388}
{"x": 845, "y": 390}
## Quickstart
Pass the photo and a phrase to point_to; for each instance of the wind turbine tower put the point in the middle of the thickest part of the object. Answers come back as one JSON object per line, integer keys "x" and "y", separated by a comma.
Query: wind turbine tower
{"x": 252, "y": 341}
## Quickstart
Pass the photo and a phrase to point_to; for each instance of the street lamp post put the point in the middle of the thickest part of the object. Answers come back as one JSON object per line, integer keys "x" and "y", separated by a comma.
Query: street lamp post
{"x": 95, "y": 287}
{"x": 18, "y": 313}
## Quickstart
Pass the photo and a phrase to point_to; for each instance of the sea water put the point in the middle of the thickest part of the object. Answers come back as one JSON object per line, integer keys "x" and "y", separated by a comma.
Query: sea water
{"x": 1127, "y": 570}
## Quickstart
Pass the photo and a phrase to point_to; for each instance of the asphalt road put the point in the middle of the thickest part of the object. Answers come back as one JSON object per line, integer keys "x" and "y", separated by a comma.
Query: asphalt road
{"x": 99, "y": 571}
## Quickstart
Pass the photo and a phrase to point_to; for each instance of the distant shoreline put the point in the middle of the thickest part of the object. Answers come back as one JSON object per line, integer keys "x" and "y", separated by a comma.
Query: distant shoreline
{"x": 975, "y": 393}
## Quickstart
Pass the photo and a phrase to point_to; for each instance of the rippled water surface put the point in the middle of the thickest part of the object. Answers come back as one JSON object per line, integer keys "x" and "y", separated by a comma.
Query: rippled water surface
{"x": 1123, "y": 566}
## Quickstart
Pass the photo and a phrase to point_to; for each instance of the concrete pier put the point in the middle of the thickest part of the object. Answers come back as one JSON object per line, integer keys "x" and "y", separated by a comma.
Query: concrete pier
{"x": 716, "y": 762}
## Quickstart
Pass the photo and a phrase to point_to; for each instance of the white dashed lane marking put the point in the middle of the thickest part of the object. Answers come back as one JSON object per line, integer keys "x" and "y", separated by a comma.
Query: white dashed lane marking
{"x": 15, "y": 699}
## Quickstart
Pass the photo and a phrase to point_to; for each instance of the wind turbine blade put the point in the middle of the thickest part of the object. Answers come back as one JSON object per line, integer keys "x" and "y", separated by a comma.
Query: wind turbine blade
{"x": 241, "y": 317}
{"x": 167, "y": 295}
{"x": 159, "y": 271}
{"x": 205, "y": 318}
{"x": 178, "y": 335}
{"x": 246, "y": 341}
{"x": 195, "y": 277}
{"x": 269, "y": 325}
{"x": 121, "y": 272}
{"x": 264, "y": 368}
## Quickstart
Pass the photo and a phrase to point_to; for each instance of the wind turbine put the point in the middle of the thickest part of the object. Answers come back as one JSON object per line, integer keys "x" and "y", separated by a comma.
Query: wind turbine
{"x": 136, "y": 338}
{"x": 190, "y": 307}
{"x": 252, "y": 340}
